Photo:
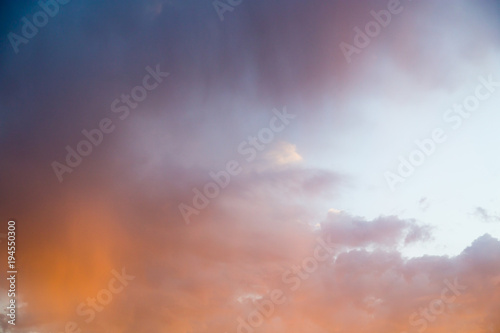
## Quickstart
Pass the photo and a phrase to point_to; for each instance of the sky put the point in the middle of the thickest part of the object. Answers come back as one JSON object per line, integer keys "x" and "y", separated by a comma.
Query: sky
{"x": 190, "y": 166}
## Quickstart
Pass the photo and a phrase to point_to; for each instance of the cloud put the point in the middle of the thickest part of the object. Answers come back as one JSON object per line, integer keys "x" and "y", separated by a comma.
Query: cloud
{"x": 119, "y": 208}
{"x": 388, "y": 231}
{"x": 191, "y": 278}
{"x": 284, "y": 153}
{"x": 424, "y": 204}
{"x": 485, "y": 216}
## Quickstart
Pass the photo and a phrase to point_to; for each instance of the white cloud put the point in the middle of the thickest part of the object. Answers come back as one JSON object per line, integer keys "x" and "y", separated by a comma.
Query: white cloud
{"x": 284, "y": 153}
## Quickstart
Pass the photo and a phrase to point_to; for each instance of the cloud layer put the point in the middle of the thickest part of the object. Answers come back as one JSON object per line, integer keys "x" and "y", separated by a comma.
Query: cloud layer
{"x": 119, "y": 208}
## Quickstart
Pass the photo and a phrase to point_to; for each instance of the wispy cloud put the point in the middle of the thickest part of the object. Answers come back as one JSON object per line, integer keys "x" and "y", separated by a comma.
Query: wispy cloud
{"x": 484, "y": 215}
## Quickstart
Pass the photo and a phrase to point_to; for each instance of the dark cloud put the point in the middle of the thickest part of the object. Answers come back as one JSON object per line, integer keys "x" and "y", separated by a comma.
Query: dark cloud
{"x": 119, "y": 207}
{"x": 388, "y": 231}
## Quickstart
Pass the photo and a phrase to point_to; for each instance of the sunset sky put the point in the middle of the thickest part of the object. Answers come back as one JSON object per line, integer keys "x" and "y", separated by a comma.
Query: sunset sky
{"x": 267, "y": 166}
